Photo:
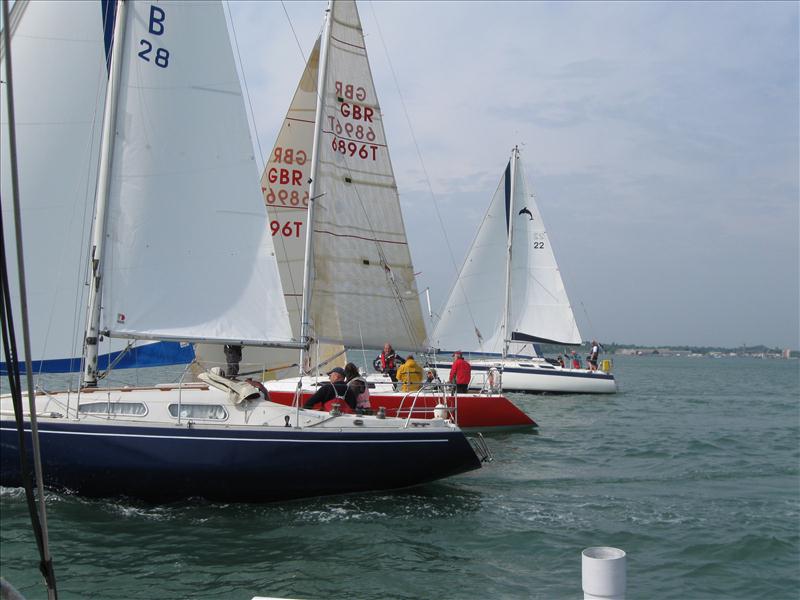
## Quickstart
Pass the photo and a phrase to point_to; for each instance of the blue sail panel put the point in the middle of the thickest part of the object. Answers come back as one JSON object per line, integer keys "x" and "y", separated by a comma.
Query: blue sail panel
{"x": 109, "y": 8}
{"x": 159, "y": 354}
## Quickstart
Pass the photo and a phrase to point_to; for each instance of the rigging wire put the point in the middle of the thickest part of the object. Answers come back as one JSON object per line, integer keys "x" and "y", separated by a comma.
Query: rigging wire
{"x": 38, "y": 519}
{"x": 422, "y": 162}
{"x": 591, "y": 327}
{"x": 246, "y": 89}
{"x": 294, "y": 33}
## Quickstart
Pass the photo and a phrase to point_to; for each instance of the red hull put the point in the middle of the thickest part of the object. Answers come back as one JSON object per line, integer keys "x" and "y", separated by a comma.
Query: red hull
{"x": 473, "y": 411}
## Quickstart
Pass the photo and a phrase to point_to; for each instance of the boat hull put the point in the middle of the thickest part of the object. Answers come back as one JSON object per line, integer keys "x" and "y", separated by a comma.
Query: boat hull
{"x": 534, "y": 377}
{"x": 471, "y": 412}
{"x": 251, "y": 464}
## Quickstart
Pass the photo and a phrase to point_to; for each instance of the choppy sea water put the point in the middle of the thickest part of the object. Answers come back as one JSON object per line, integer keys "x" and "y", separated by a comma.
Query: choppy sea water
{"x": 693, "y": 469}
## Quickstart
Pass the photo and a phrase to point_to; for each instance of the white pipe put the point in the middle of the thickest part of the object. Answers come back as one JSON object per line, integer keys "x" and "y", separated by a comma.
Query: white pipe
{"x": 603, "y": 574}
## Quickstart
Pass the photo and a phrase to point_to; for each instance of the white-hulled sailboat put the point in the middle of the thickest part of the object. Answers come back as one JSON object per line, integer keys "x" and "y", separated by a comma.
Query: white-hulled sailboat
{"x": 509, "y": 297}
{"x": 178, "y": 213}
{"x": 359, "y": 285}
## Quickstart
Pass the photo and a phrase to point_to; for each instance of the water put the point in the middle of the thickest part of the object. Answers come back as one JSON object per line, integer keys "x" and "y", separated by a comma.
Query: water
{"x": 693, "y": 469}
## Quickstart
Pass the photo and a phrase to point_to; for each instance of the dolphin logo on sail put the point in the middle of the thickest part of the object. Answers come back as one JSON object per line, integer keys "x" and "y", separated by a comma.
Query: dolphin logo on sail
{"x": 527, "y": 212}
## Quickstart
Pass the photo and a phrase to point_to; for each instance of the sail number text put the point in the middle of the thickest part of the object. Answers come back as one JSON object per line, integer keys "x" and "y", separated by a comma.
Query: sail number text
{"x": 285, "y": 197}
{"x": 351, "y": 126}
{"x": 360, "y": 132}
{"x": 287, "y": 229}
{"x": 349, "y": 147}
{"x": 280, "y": 176}
{"x": 157, "y": 26}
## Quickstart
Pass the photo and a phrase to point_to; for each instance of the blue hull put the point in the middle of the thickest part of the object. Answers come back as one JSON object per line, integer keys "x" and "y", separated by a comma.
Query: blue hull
{"x": 159, "y": 464}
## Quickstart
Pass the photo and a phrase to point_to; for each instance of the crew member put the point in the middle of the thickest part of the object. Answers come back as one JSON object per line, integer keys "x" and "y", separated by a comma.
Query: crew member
{"x": 460, "y": 372}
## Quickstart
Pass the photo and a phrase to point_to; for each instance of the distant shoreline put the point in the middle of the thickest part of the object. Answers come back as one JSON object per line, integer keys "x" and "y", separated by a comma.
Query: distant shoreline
{"x": 693, "y": 351}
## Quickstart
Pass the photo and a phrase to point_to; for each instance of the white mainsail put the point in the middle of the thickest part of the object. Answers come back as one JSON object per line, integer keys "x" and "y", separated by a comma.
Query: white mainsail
{"x": 363, "y": 291}
{"x": 184, "y": 212}
{"x": 60, "y": 83}
{"x": 538, "y": 306}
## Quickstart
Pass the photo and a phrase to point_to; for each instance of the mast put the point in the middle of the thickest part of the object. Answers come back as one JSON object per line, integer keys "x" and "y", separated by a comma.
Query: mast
{"x": 322, "y": 77}
{"x": 101, "y": 201}
{"x": 507, "y": 303}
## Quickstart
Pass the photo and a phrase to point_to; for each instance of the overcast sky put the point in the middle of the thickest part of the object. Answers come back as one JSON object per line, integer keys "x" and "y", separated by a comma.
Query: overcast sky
{"x": 660, "y": 141}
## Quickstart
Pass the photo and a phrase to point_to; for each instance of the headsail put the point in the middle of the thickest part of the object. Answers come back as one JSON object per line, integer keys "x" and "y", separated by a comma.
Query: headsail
{"x": 539, "y": 308}
{"x": 184, "y": 212}
{"x": 284, "y": 184}
{"x": 363, "y": 290}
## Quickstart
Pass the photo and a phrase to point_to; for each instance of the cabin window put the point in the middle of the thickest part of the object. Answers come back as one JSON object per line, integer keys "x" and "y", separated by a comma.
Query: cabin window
{"x": 127, "y": 409}
{"x": 214, "y": 412}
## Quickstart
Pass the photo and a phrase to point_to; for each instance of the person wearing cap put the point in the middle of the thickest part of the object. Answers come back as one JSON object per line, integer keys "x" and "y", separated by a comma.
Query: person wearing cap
{"x": 334, "y": 391}
{"x": 460, "y": 372}
{"x": 410, "y": 373}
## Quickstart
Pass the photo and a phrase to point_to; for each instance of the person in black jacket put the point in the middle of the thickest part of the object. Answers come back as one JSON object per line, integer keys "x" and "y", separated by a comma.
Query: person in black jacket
{"x": 387, "y": 362}
{"x": 337, "y": 388}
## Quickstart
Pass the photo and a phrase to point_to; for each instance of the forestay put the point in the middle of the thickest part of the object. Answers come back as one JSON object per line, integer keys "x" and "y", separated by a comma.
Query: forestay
{"x": 184, "y": 210}
{"x": 362, "y": 285}
{"x": 539, "y": 309}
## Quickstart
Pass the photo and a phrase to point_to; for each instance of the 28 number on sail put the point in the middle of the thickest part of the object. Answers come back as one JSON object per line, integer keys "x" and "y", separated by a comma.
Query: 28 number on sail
{"x": 156, "y": 27}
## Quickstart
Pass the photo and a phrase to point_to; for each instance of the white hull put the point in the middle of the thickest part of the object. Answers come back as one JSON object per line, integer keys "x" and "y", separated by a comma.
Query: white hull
{"x": 536, "y": 376}
{"x": 197, "y": 404}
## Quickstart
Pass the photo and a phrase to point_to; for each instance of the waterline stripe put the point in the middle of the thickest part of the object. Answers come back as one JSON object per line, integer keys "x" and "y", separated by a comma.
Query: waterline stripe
{"x": 221, "y": 439}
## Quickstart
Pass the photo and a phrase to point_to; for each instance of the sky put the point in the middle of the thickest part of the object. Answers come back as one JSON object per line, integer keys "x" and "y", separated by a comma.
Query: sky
{"x": 660, "y": 141}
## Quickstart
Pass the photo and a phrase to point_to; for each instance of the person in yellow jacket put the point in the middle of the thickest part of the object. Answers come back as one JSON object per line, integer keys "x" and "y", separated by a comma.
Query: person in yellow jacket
{"x": 410, "y": 374}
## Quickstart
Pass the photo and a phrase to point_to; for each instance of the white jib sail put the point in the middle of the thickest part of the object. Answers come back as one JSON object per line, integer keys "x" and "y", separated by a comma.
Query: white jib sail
{"x": 539, "y": 306}
{"x": 60, "y": 79}
{"x": 284, "y": 184}
{"x": 188, "y": 252}
{"x": 363, "y": 287}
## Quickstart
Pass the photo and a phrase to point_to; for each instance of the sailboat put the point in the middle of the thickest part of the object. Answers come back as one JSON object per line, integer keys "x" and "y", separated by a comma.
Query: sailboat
{"x": 176, "y": 172}
{"x": 355, "y": 276}
{"x": 509, "y": 297}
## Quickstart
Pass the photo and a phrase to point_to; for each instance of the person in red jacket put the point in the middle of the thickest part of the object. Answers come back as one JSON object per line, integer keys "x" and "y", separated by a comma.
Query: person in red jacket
{"x": 460, "y": 372}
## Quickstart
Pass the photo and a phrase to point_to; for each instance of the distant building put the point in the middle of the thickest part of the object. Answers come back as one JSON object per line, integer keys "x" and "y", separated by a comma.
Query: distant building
{"x": 787, "y": 353}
